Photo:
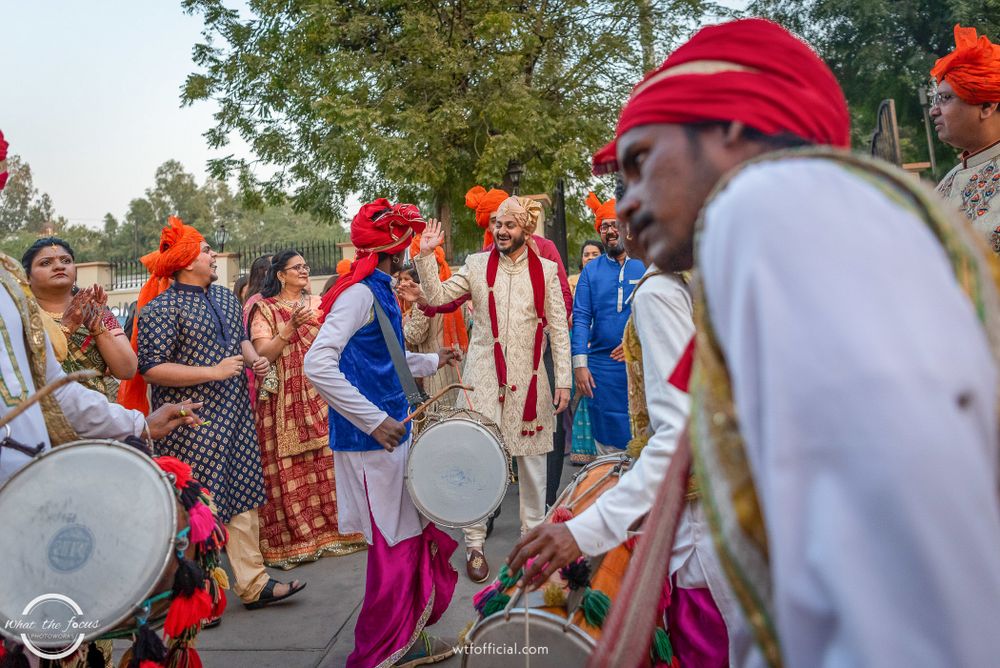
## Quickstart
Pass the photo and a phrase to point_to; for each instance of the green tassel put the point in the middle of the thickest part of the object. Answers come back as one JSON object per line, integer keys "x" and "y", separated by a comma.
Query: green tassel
{"x": 595, "y": 607}
{"x": 495, "y": 604}
{"x": 662, "y": 651}
{"x": 506, "y": 579}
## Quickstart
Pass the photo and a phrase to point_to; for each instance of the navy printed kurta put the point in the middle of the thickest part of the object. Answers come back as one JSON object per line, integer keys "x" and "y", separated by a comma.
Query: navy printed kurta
{"x": 192, "y": 326}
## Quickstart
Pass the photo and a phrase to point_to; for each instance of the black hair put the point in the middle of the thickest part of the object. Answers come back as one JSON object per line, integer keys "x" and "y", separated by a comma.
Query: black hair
{"x": 258, "y": 271}
{"x": 330, "y": 282}
{"x": 240, "y": 283}
{"x": 272, "y": 287}
{"x": 774, "y": 142}
{"x": 590, "y": 242}
{"x": 35, "y": 248}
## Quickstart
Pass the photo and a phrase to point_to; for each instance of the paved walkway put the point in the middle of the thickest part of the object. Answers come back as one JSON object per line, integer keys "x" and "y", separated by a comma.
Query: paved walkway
{"x": 316, "y": 627}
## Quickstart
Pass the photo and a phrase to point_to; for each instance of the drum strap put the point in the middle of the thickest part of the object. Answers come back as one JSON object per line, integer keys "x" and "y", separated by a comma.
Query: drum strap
{"x": 414, "y": 395}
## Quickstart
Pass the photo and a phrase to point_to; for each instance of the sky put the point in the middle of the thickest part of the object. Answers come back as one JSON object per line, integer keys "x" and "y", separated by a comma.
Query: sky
{"x": 90, "y": 98}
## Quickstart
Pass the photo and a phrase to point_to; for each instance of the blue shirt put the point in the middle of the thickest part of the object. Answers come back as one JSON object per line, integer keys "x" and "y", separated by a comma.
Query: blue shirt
{"x": 601, "y": 306}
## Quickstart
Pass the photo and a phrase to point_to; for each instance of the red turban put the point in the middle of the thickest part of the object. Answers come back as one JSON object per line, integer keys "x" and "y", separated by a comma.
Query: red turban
{"x": 602, "y": 212}
{"x": 972, "y": 69}
{"x": 484, "y": 203}
{"x": 180, "y": 245}
{"x": 379, "y": 227}
{"x": 752, "y": 71}
{"x": 3, "y": 157}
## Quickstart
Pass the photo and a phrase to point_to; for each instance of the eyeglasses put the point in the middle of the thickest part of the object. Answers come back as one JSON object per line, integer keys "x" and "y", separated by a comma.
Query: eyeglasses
{"x": 298, "y": 269}
{"x": 607, "y": 227}
{"x": 939, "y": 99}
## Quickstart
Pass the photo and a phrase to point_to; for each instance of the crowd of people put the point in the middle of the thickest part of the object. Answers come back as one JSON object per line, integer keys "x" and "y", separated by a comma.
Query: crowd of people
{"x": 796, "y": 347}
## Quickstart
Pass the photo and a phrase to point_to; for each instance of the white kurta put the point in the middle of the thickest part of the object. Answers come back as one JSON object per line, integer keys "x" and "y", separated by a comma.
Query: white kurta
{"x": 662, "y": 313}
{"x": 386, "y": 499}
{"x": 972, "y": 188}
{"x": 87, "y": 411}
{"x": 867, "y": 401}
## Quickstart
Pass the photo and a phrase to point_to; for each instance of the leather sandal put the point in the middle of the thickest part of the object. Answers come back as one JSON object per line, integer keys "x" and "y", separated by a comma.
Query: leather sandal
{"x": 427, "y": 649}
{"x": 267, "y": 596}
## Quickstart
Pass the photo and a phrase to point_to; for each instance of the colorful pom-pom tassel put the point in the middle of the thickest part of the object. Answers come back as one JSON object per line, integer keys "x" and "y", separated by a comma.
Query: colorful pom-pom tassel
{"x": 561, "y": 514}
{"x": 496, "y": 604}
{"x": 201, "y": 521}
{"x": 180, "y": 470}
{"x": 220, "y": 577}
{"x": 595, "y": 607}
{"x": 661, "y": 650}
{"x": 483, "y": 597}
{"x": 553, "y": 595}
{"x": 148, "y": 650}
{"x": 576, "y": 574}
{"x": 186, "y": 612}
{"x": 506, "y": 579}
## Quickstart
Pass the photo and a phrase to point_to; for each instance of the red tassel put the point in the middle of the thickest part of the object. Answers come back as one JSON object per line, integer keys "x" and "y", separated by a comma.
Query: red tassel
{"x": 181, "y": 471}
{"x": 561, "y": 514}
{"x": 631, "y": 542}
{"x": 186, "y": 612}
{"x": 220, "y": 604}
{"x": 150, "y": 664}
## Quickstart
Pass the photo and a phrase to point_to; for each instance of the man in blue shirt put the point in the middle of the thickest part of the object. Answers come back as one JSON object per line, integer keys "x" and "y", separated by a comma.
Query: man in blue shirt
{"x": 601, "y": 308}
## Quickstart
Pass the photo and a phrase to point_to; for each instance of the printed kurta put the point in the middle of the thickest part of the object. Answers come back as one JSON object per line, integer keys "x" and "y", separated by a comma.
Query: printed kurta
{"x": 971, "y": 187}
{"x": 189, "y": 325}
{"x": 601, "y": 309}
{"x": 516, "y": 321}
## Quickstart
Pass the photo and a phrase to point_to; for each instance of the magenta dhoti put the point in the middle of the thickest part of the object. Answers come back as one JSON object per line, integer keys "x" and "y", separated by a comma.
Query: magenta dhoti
{"x": 408, "y": 586}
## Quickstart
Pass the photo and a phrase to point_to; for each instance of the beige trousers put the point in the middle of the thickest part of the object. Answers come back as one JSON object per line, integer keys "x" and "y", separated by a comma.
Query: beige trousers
{"x": 245, "y": 558}
{"x": 531, "y": 477}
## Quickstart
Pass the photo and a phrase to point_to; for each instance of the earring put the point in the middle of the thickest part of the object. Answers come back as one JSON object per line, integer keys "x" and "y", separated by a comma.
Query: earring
{"x": 282, "y": 284}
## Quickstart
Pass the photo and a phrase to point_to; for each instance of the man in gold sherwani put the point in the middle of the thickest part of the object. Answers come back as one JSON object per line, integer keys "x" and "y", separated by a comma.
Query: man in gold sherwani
{"x": 516, "y": 300}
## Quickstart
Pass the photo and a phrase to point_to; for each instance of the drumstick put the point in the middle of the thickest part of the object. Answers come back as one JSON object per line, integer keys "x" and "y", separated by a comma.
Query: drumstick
{"x": 45, "y": 391}
{"x": 458, "y": 370}
{"x": 427, "y": 404}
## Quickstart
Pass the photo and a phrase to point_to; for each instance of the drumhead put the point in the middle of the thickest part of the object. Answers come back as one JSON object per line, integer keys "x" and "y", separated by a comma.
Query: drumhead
{"x": 500, "y": 641}
{"x": 457, "y": 472}
{"x": 91, "y": 521}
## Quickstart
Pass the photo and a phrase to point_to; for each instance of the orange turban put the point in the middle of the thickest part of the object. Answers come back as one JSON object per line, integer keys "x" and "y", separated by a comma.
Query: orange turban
{"x": 180, "y": 245}
{"x": 343, "y": 267}
{"x": 453, "y": 331}
{"x": 972, "y": 69}
{"x": 602, "y": 212}
{"x": 484, "y": 203}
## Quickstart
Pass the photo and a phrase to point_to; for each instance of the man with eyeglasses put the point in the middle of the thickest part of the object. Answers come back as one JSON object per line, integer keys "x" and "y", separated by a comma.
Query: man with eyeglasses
{"x": 964, "y": 110}
{"x": 601, "y": 308}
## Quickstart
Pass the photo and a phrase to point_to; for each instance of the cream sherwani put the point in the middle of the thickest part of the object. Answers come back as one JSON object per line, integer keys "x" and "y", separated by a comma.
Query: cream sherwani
{"x": 972, "y": 187}
{"x": 516, "y": 325}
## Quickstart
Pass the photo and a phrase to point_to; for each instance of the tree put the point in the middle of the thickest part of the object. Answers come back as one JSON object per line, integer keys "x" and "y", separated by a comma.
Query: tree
{"x": 884, "y": 49}
{"x": 419, "y": 100}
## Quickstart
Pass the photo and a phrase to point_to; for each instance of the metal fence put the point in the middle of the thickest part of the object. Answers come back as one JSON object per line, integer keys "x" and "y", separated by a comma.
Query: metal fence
{"x": 321, "y": 256}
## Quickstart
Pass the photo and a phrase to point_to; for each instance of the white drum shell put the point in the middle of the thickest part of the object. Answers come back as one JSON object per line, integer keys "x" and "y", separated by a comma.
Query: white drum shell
{"x": 94, "y": 521}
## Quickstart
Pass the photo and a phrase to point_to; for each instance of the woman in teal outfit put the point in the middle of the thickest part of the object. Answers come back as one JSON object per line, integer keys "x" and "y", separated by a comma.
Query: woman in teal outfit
{"x": 583, "y": 450}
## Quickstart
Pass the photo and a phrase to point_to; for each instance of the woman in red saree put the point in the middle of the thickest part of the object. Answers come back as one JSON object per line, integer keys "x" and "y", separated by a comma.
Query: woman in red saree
{"x": 299, "y": 521}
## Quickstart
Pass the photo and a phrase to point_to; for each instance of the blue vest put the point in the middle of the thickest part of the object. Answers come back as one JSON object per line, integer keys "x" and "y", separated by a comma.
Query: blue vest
{"x": 367, "y": 365}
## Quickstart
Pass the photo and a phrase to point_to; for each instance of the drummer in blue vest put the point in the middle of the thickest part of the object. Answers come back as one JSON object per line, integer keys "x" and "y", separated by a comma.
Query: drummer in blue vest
{"x": 409, "y": 582}
{"x": 601, "y": 309}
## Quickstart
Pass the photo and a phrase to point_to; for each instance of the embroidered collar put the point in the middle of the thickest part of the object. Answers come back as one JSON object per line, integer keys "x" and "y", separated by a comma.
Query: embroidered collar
{"x": 982, "y": 155}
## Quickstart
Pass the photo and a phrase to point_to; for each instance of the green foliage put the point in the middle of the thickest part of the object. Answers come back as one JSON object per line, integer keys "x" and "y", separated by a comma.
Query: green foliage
{"x": 883, "y": 49}
{"x": 420, "y": 100}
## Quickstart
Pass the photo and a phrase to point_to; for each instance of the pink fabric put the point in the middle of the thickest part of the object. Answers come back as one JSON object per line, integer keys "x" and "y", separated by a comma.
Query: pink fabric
{"x": 398, "y": 587}
{"x": 697, "y": 630}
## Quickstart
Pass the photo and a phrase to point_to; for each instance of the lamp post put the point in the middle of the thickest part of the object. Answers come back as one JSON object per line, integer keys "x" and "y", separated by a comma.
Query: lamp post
{"x": 926, "y": 106}
{"x": 514, "y": 171}
{"x": 221, "y": 237}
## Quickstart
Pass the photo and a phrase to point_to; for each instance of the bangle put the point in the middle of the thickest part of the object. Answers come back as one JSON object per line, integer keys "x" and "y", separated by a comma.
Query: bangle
{"x": 285, "y": 339}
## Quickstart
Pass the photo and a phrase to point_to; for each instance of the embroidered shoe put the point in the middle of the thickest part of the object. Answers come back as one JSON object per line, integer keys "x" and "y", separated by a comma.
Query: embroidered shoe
{"x": 476, "y": 566}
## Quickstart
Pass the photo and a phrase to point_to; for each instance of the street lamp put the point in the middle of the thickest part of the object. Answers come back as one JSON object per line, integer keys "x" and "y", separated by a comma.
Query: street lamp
{"x": 925, "y": 104}
{"x": 514, "y": 171}
{"x": 221, "y": 237}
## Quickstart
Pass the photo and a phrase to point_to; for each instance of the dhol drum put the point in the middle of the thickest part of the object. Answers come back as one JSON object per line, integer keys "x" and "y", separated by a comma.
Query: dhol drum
{"x": 90, "y": 529}
{"x": 560, "y": 623}
{"x": 458, "y": 468}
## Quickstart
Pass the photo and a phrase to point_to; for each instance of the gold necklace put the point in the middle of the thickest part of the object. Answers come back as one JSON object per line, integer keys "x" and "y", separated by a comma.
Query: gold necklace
{"x": 291, "y": 304}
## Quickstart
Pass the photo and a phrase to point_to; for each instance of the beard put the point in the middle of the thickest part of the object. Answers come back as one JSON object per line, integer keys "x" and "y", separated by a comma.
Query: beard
{"x": 615, "y": 248}
{"x": 515, "y": 244}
